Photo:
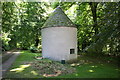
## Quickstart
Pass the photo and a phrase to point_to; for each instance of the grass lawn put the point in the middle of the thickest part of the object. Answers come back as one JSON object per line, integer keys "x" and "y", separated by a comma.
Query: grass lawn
{"x": 92, "y": 68}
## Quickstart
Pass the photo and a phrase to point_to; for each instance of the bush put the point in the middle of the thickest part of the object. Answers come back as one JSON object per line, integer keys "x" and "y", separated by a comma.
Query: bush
{"x": 5, "y": 47}
{"x": 33, "y": 49}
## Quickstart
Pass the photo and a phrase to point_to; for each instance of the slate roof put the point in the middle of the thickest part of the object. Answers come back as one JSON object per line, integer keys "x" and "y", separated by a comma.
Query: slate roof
{"x": 57, "y": 19}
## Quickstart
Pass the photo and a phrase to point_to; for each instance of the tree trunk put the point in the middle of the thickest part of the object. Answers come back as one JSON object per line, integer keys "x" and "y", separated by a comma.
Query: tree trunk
{"x": 36, "y": 41}
{"x": 78, "y": 46}
{"x": 84, "y": 44}
{"x": 93, "y": 6}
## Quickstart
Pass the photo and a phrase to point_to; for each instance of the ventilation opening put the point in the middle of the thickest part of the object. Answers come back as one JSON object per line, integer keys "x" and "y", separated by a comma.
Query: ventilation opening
{"x": 72, "y": 51}
{"x": 63, "y": 61}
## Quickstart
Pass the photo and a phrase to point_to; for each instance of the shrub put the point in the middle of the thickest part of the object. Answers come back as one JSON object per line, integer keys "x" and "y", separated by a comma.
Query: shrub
{"x": 5, "y": 47}
{"x": 33, "y": 49}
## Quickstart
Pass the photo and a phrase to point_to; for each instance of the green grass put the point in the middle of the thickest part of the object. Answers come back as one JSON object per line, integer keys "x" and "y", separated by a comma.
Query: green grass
{"x": 94, "y": 71}
{"x": 27, "y": 72}
{"x": 94, "y": 68}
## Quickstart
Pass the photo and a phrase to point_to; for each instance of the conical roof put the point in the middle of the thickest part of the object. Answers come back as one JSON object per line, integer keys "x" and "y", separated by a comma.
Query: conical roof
{"x": 57, "y": 19}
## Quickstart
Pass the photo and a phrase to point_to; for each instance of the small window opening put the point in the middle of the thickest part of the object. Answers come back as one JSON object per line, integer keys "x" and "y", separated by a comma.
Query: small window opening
{"x": 63, "y": 61}
{"x": 72, "y": 51}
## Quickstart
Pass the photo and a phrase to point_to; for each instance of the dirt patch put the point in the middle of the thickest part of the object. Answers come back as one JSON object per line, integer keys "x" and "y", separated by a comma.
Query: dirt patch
{"x": 50, "y": 68}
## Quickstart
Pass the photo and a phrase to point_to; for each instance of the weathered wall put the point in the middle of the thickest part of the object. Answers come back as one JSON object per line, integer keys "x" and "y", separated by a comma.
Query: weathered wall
{"x": 57, "y": 42}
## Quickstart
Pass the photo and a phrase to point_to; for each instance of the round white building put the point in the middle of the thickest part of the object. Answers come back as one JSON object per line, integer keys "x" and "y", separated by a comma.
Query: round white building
{"x": 59, "y": 37}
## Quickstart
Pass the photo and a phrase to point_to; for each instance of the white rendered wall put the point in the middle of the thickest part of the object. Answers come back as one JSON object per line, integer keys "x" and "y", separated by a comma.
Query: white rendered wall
{"x": 57, "y": 42}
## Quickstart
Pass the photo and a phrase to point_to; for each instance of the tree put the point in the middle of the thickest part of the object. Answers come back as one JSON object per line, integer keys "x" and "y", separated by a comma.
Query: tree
{"x": 93, "y": 6}
{"x": 23, "y": 23}
{"x": 109, "y": 21}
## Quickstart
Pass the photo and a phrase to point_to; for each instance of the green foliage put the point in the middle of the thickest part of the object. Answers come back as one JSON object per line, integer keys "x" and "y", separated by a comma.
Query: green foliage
{"x": 109, "y": 27}
{"x": 5, "y": 46}
{"x": 22, "y": 22}
{"x": 33, "y": 49}
{"x": 84, "y": 24}
{"x": 4, "y": 41}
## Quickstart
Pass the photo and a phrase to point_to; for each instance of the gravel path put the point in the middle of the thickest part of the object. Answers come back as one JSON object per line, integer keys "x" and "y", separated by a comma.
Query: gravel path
{"x": 7, "y": 64}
